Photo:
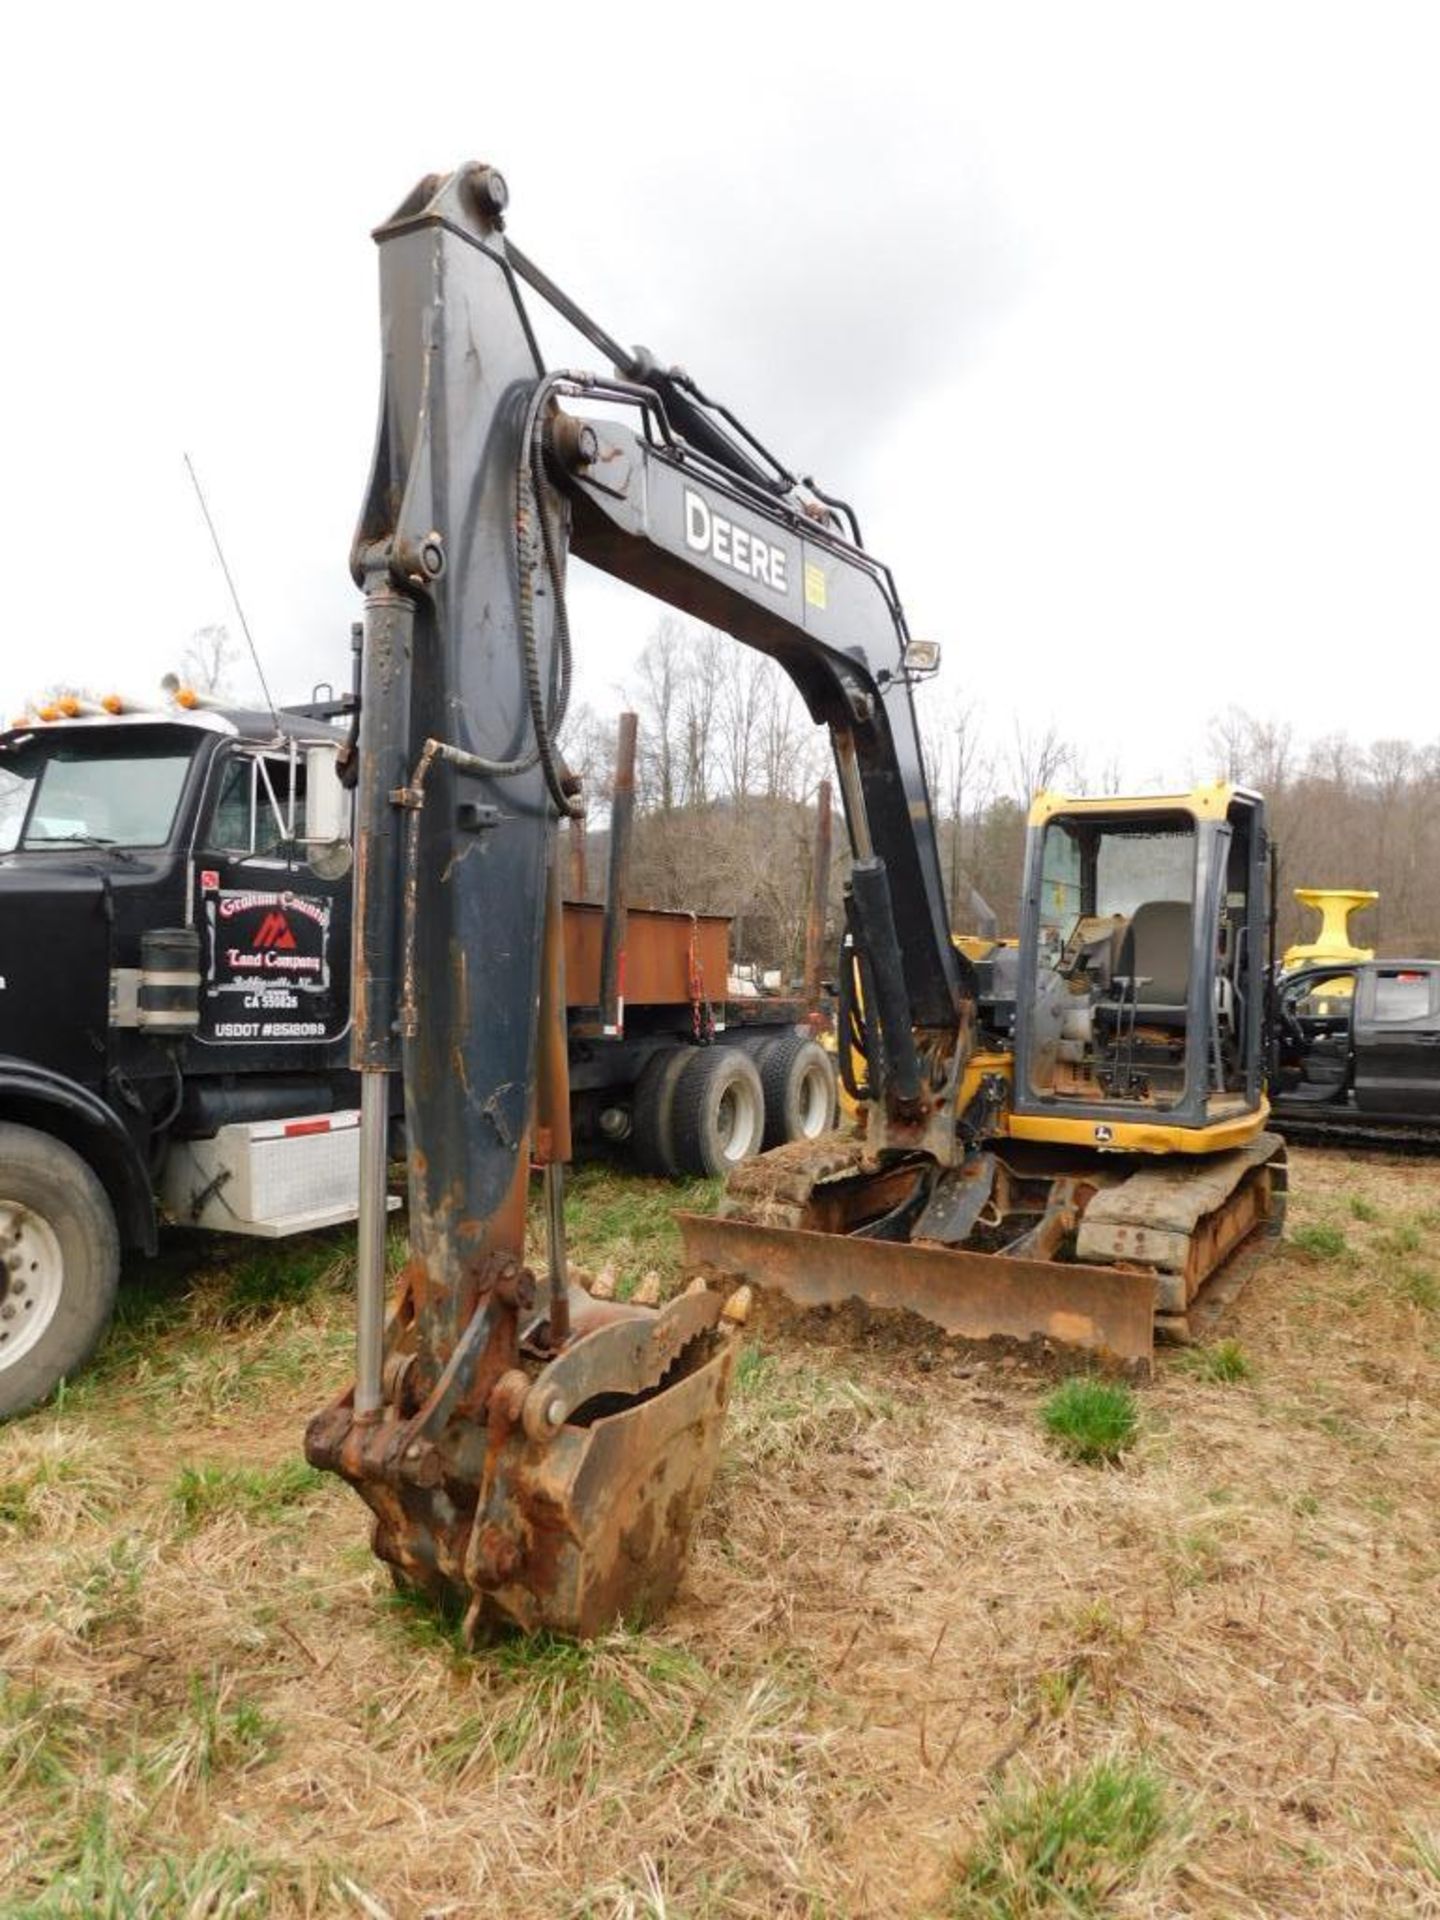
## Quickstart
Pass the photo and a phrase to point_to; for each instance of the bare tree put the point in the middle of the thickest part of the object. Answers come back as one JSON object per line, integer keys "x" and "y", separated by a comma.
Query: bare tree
{"x": 700, "y": 695}
{"x": 1038, "y": 757}
{"x": 209, "y": 661}
{"x": 662, "y": 673}
{"x": 741, "y": 707}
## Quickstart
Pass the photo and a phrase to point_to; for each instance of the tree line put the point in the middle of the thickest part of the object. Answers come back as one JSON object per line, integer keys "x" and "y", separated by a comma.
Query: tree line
{"x": 729, "y": 765}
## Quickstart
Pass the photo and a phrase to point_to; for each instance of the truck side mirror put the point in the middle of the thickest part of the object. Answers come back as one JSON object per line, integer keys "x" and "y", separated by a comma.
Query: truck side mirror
{"x": 327, "y": 815}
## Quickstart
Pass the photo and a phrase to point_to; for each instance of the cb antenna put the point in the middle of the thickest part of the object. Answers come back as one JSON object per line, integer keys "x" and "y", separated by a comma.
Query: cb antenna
{"x": 220, "y": 556}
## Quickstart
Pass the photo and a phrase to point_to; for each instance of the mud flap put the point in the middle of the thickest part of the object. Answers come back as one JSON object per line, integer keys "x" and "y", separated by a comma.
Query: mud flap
{"x": 1106, "y": 1311}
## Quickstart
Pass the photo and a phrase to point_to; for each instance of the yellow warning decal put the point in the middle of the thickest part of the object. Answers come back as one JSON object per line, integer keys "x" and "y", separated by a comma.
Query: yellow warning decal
{"x": 814, "y": 585}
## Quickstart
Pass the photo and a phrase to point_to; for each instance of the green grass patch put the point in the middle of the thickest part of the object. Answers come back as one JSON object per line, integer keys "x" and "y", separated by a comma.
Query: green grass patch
{"x": 1198, "y": 1557}
{"x": 105, "y": 1591}
{"x": 205, "y": 1493}
{"x": 196, "y": 1325}
{"x": 285, "y": 1275}
{"x": 43, "y": 1741}
{"x": 218, "y": 1733}
{"x": 1322, "y": 1240}
{"x": 1419, "y": 1288}
{"x": 1093, "y": 1420}
{"x": 428, "y": 1625}
{"x": 560, "y": 1707}
{"x": 1425, "y": 1851}
{"x": 781, "y": 1407}
{"x": 1067, "y": 1847}
{"x": 1401, "y": 1240}
{"x": 102, "y": 1880}
{"x": 57, "y": 1480}
{"x": 544, "y": 1705}
{"x": 1363, "y": 1209}
{"x": 1225, "y": 1362}
{"x": 613, "y": 1219}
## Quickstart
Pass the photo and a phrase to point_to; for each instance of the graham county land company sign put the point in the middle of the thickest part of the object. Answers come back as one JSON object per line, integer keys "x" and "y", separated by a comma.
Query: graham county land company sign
{"x": 267, "y": 967}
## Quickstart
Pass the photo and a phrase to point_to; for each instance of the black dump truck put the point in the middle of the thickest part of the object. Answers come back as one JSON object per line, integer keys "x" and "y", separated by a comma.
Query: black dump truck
{"x": 174, "y": 1002}
{"x": 175, "y": 913}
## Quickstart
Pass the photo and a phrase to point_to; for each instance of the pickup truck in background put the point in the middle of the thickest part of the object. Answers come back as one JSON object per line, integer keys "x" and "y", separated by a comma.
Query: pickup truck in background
{"x": 1357, "y": 1048}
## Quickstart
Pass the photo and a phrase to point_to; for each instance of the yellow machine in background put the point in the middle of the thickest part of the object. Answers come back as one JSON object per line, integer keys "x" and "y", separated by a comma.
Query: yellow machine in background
{"x": 1333, "y": 942}
{"x": 1097, "y": 1147}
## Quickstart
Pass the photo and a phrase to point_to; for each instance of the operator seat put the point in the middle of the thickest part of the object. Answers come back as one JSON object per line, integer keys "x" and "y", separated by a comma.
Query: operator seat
{"x": 1156, "y": 951}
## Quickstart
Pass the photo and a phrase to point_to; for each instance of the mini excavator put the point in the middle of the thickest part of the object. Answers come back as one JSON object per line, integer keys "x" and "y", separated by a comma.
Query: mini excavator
{"x": 1063, "y": 1139}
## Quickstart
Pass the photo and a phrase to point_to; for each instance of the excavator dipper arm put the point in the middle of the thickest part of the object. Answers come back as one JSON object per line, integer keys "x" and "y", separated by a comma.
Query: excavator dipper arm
{"x": 536, "y": 1462}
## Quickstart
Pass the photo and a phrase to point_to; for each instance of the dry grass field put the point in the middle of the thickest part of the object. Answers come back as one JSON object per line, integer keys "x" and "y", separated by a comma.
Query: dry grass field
{"x": 927, "y": 1662}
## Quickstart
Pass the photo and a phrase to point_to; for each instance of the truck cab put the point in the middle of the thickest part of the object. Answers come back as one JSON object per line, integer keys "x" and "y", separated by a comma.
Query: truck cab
{"x": 1358, "y": 1045}
{"x": 174, "y": 941}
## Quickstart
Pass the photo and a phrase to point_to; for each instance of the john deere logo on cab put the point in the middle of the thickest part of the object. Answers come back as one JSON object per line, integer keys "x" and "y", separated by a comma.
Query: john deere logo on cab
{"x": 733, "y": 546}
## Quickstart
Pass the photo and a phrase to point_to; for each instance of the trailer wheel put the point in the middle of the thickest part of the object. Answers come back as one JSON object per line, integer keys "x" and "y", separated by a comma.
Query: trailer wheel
{"x": 652, "y": 1110}
{"x": 59, "y": 1265}
{"x": 718, "y": 1116}
{"x": 798, "y": 1077}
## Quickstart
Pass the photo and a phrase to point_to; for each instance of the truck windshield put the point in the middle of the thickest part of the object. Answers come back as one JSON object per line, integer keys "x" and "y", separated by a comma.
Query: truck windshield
{"x": 90, "y": 791}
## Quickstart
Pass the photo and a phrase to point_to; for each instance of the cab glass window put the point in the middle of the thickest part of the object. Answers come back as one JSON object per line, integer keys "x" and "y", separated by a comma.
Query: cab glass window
{"x": 1402, "y": 996}
{"x": 91, "y": 789}
{"x": 17, "y": 783}
{"x": 1326, "y": 999}
{"x": 252, "y": 812}
{"x": 1060, "y": 888}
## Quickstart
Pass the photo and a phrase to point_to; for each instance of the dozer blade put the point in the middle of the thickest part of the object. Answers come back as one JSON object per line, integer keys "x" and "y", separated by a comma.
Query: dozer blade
{"x": 1107, "y": 1311}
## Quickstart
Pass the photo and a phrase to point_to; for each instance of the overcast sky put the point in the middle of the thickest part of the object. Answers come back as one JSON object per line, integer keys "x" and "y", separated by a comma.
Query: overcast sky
{"x": 1119, "y": 324}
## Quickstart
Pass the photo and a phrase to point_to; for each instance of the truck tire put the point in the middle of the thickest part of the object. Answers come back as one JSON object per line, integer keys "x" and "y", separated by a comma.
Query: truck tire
{"x": 798, "y": 1077}
{"x": 718, "y": 1115}
{"x": 59, "y": 1265}
{"x": 652, "y": 1111}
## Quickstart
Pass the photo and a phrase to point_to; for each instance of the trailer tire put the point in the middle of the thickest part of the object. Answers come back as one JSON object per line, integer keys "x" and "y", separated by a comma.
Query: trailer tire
{"x": 651, "y": 1114}
{"x": 798, "y": 1077}
{"x": 59, "y": 1265}
{"x": 718, "y": 1116}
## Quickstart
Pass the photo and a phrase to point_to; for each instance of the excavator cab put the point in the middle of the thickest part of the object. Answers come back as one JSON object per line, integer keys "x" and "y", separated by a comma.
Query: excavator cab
{"x": 1102, "y": 1152}
{"x": 1141, "y": 977}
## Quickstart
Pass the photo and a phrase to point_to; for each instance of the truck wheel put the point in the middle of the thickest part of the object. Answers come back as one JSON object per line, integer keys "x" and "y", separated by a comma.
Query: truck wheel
{"x": 652, "y": 1111}
{"x": 59, "y": 1264}
{"x": 799, "y": 1081}
{"x": 718, "y": 1118}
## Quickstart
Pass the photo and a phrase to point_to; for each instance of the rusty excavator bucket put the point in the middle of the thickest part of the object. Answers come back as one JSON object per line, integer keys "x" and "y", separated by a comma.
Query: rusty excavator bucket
{"x": 565, "y": 1496}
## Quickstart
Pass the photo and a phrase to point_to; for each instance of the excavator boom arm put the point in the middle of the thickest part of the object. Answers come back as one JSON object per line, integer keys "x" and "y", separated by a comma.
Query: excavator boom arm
{"x": 765, "y": 571}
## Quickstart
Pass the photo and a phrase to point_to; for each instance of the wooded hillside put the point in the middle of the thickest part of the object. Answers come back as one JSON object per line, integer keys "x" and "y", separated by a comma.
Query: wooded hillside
{"x": 729, "y": 766}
